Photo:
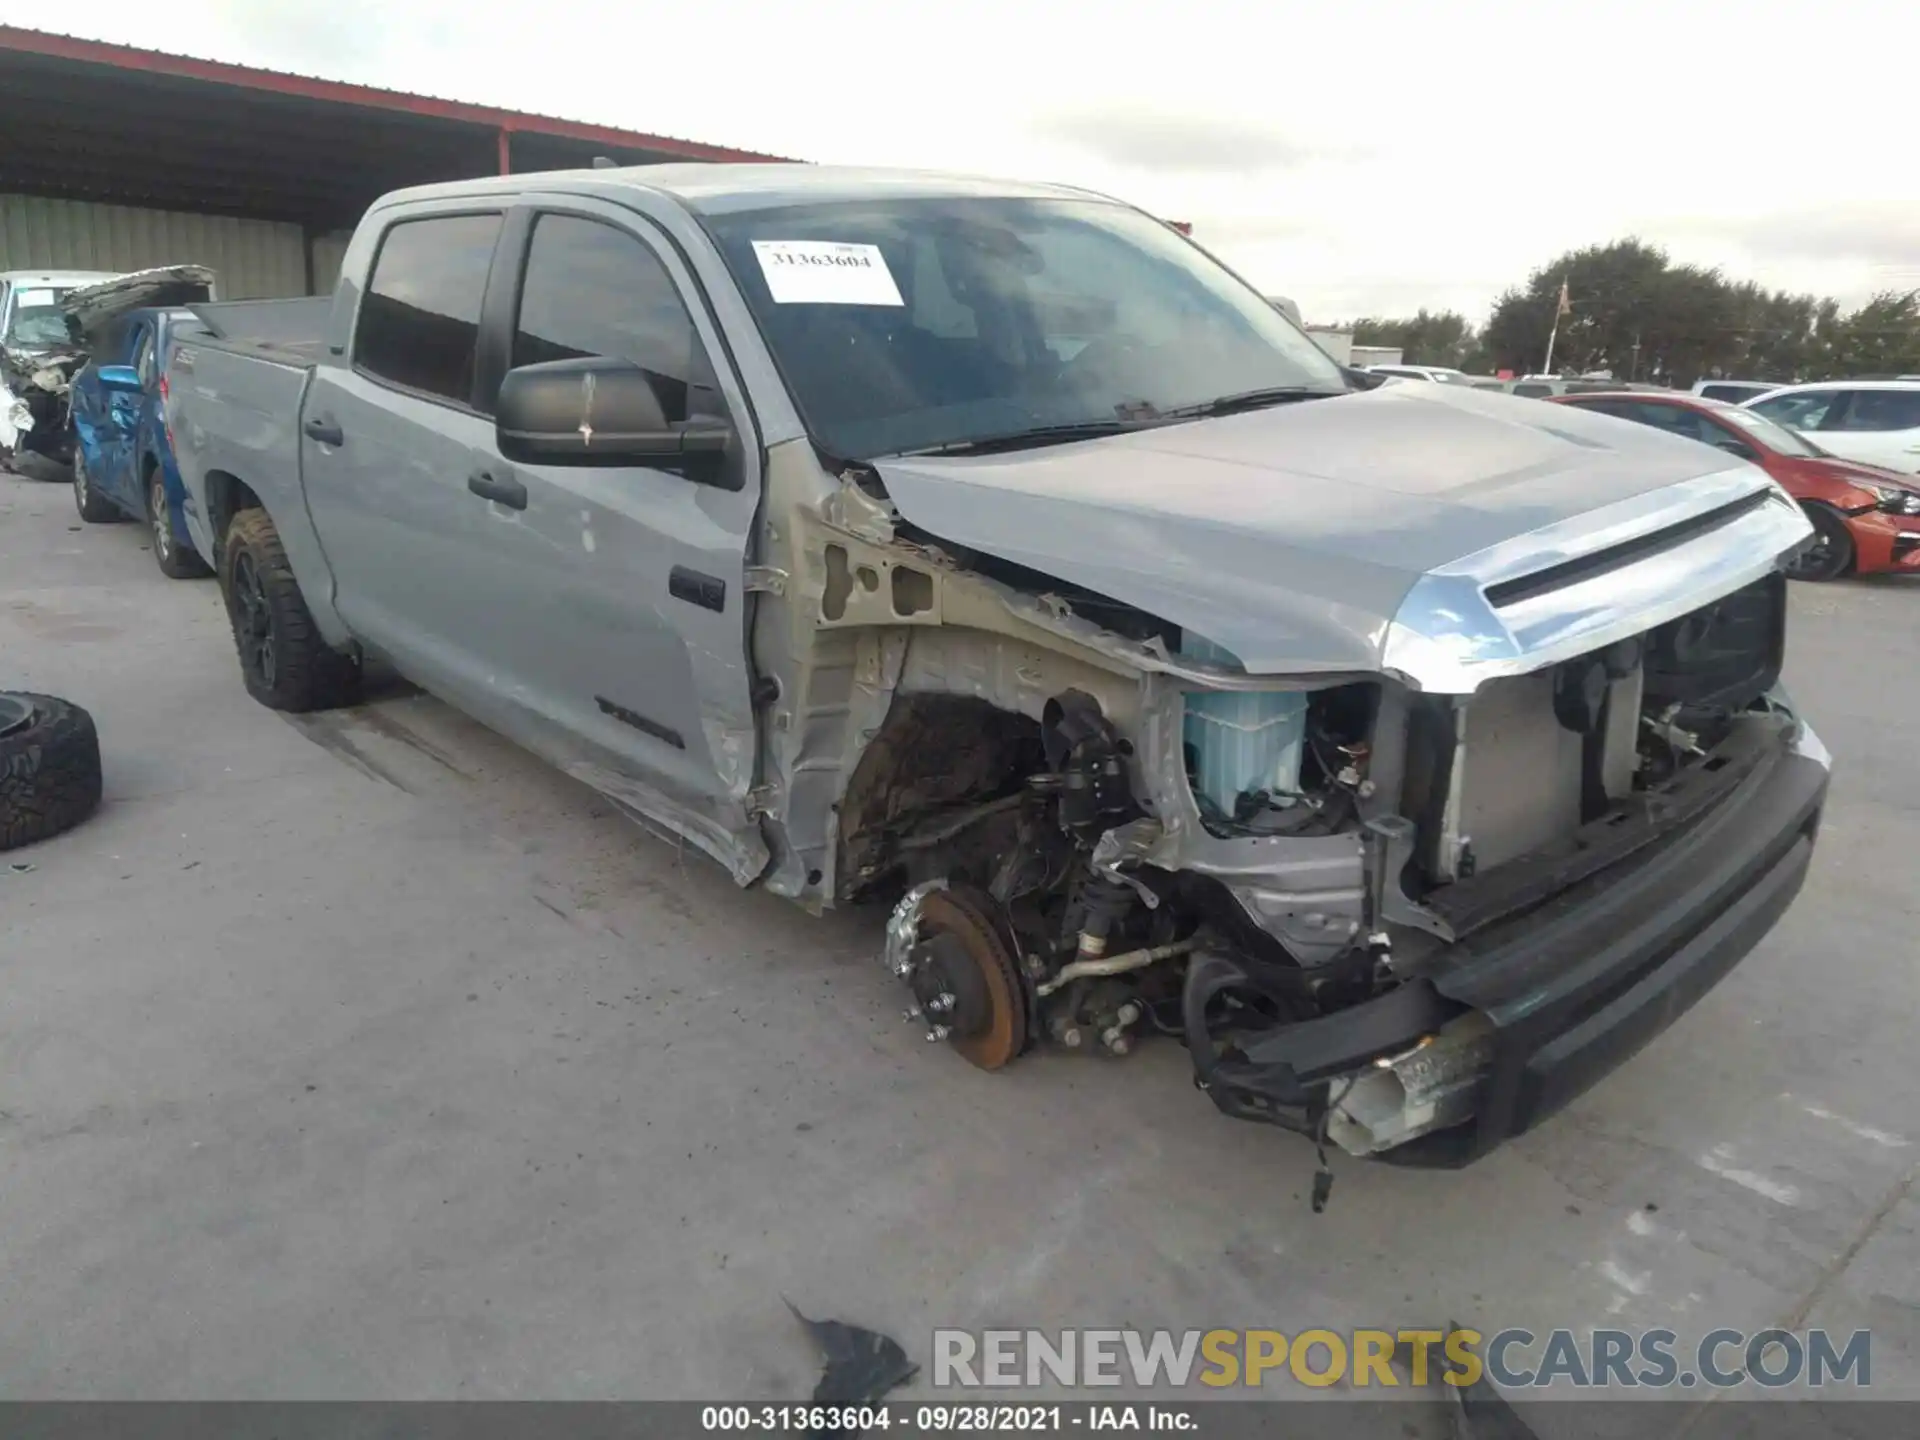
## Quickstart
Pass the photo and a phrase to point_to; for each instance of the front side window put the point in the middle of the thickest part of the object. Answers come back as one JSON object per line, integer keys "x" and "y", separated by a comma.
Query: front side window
{"x": 1883, "y": 410}
{"x": 908, "y": 324}
{"x": 594, "y": 290}
{"x": 143, "y": 357}
{"x": 419, "y": 323}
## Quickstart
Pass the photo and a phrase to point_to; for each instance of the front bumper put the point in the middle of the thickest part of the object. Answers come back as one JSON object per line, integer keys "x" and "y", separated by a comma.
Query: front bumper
{"x": 1884, "y": 542}
{"x": 1567, "y": 991}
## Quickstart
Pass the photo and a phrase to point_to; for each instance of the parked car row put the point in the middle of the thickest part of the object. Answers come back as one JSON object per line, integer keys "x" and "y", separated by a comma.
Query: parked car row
{"x": 104, "y": 342}
{"x": 1875, "y": 422}
{"x": 1866, "y": 518}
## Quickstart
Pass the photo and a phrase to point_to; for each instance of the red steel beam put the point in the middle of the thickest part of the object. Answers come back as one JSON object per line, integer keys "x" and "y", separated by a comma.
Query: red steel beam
{"x": 246, "y": 77}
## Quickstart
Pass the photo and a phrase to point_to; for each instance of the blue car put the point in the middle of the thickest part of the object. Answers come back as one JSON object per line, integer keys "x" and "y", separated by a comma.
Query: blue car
{"x": 123, "y": 467}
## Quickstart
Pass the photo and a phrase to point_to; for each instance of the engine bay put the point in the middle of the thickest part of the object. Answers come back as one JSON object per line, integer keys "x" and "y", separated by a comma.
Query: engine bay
{"x": 1035, "y": 910}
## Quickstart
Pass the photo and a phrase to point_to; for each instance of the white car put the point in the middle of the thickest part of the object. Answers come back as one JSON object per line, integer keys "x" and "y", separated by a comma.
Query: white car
{"x": 1874, "y": 422}
{"x": 1446, "y": 375}
{"x": 30, "y": 317}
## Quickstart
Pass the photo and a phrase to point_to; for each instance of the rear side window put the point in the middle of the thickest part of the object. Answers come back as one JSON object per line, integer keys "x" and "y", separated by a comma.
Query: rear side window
{"x": 419, "y": 322}
{"x": 594, "y": 290}
{"x": 1882, "y": 410}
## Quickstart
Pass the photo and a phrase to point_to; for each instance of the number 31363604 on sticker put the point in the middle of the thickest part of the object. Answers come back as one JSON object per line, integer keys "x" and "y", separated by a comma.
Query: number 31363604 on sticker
{"x": 825, "y": 272}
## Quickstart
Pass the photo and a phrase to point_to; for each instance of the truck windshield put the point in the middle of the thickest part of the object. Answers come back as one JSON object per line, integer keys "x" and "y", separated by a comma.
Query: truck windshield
{"x": 905, "y": 325}
{"x": 37, "y": 322}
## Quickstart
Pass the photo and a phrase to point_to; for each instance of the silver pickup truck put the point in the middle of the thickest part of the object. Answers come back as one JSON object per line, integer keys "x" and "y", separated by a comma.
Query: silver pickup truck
{"x": 1413, "y": 755}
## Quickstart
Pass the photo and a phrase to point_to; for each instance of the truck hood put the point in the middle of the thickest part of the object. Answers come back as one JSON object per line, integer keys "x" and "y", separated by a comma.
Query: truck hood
{"x": 1363, "y": 532}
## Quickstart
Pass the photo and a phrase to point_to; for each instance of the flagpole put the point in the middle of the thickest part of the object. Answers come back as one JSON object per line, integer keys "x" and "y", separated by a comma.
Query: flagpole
{"x": 1561, "y": 307}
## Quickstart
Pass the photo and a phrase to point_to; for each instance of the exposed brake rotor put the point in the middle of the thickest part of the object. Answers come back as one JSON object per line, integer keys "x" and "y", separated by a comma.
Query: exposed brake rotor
{"x": 963, "y": 974}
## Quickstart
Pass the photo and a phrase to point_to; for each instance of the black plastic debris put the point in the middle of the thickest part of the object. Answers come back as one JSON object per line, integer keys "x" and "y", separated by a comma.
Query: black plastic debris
{"x": 861, "y": 1365}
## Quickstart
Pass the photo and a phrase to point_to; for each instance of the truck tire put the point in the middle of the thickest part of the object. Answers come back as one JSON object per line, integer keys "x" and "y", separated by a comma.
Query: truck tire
{"x": 177, "y": 558}
{"x": 283, "y": 660}
{"x": 49, "y": 767}
{"x": 94, "y": 507}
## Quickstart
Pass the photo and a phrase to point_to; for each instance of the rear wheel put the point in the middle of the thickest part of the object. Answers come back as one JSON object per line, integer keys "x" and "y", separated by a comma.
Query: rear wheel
{"x": 94, "y": 507}
{"x": 1831, "y": 553}
{"x": 285, "y": 663}
{"x": 176, "y": 558}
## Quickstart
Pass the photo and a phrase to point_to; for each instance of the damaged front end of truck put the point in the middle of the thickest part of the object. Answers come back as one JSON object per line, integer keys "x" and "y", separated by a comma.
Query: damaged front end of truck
{"x": 1406, "y": 854}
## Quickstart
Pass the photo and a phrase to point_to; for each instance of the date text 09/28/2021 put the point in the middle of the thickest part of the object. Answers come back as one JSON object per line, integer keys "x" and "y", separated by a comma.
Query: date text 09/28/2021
{"x": 947, "y": 1418}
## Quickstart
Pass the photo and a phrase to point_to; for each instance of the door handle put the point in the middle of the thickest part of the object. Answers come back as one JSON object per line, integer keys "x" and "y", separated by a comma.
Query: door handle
{"x": 508, "y": 492}
{"x": 324, "y": 431}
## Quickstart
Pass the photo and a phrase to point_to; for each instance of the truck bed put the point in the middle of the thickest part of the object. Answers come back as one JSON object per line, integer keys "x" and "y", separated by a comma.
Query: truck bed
{"x": 236, "y": 388}
{"x": 291, "y": 329}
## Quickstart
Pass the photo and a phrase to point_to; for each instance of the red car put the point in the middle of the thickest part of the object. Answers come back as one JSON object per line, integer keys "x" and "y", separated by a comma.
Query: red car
{"x": 1865, "y": 519}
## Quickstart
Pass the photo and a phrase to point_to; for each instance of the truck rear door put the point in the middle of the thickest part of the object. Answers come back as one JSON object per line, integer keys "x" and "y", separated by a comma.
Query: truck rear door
{"x": 389, "y": 433}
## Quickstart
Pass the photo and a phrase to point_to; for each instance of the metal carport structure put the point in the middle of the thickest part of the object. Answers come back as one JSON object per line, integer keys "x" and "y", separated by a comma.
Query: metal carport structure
{"x": 113, "y": 157}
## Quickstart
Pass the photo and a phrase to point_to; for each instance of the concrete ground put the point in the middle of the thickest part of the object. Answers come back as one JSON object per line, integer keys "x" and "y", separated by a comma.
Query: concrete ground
{"x": 363, "y": 1056}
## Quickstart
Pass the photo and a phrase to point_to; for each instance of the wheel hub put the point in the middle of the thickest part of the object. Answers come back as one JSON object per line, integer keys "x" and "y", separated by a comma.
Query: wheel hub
{"x": 15, "y": 714}
{"x": 253, "y": 617}
{"x": 162, "y": 522}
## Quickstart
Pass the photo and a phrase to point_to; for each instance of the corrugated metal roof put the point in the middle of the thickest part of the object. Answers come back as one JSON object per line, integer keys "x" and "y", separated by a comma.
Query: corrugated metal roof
{"x": 74, "y": 47}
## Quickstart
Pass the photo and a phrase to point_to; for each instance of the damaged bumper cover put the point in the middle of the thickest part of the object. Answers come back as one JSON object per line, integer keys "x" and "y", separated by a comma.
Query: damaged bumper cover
{"x": 1508, "y": 1025}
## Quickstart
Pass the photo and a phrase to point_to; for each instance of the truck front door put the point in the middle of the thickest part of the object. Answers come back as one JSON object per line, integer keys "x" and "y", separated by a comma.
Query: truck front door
{"x": 617, "y": 592}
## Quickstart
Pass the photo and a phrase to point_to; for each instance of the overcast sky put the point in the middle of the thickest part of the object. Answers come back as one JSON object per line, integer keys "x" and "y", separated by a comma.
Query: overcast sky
{"x": 1362, "y": 158}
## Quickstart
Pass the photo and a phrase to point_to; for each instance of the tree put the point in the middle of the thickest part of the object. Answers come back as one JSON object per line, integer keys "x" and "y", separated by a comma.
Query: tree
{"x": 1641, "y": 317}
{"x": 1427, "y": 338}
{"x": 1882, "y": 337}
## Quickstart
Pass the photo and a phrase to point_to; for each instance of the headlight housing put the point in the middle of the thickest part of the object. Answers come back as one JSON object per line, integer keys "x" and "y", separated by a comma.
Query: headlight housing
{"x": 1896, "y": 502}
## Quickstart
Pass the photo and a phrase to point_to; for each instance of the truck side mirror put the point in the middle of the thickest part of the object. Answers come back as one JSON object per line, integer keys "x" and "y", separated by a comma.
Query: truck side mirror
{"x": 598, "y": 411}
{"x": 122, "y": 379}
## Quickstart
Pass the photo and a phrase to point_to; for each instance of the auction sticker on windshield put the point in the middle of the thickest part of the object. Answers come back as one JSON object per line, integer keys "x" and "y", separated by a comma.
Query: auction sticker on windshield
{"x": 826, "y": 272}
{"x": 37, "y": 299}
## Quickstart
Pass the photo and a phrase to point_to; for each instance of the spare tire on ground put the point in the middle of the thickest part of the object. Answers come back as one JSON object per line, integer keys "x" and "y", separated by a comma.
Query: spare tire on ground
{"x": 49, "y": 767}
